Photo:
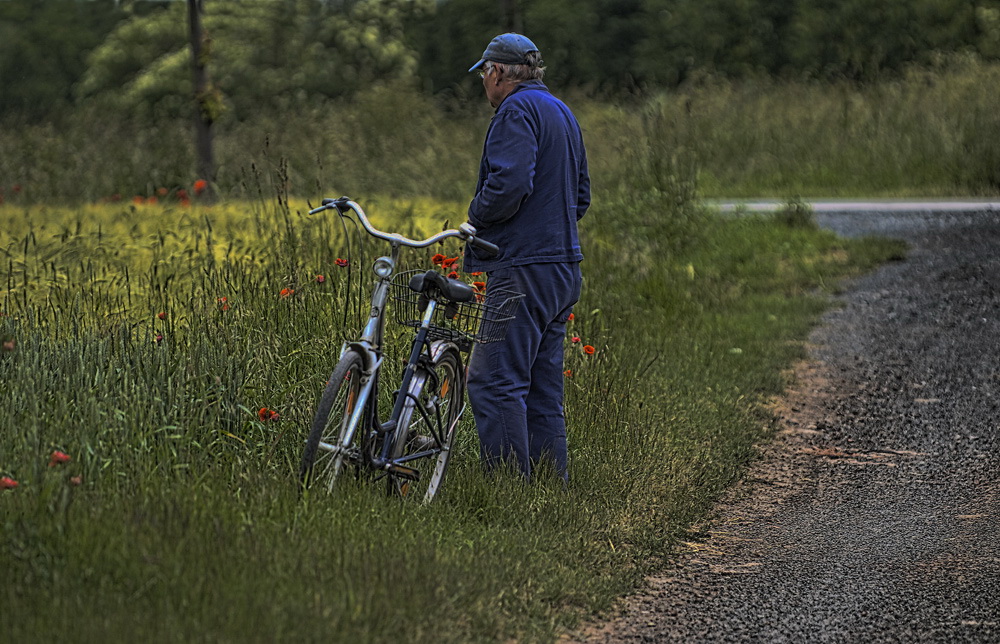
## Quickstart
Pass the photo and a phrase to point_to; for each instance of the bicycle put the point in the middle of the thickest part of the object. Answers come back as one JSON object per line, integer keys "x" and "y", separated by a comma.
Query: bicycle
{"x": 410, "y": 449}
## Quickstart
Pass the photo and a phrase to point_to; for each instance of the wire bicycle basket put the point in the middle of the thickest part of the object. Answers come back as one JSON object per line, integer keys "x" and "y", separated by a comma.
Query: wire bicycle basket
{"x": 482, "y": 321}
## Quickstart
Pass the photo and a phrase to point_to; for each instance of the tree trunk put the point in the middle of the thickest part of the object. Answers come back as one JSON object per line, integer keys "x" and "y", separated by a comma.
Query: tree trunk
{"x": 204, "y": 99}
{"x": 511, "y": 12}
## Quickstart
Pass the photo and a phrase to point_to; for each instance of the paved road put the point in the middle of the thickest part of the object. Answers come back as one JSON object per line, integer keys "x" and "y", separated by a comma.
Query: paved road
{"x": 875, "y": 515}
{"x": 838, "y": 206}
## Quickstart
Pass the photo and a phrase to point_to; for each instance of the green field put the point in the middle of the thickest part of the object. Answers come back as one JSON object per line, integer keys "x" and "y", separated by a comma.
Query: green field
{"x": 178, "y": 515}
{"x": 161, "y": 354}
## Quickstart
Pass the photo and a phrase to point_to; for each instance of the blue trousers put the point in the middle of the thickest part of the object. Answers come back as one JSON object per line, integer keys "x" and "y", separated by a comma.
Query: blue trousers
{"x": 516, "y": 385}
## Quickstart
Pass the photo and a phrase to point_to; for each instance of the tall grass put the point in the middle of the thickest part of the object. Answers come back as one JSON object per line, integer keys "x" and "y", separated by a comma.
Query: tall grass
{"x": 923, "y": 135}
{"x": 927, "y": 133}
{"x": 178, "y": 517}
{"x": 185, "y": 522}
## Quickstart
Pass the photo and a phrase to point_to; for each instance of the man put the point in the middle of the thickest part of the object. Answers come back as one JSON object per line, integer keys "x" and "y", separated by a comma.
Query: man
{"x": 533, "y": 188}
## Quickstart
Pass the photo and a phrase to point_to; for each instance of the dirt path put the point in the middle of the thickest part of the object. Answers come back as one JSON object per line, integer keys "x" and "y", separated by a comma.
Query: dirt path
{"x": 874, "y": 515}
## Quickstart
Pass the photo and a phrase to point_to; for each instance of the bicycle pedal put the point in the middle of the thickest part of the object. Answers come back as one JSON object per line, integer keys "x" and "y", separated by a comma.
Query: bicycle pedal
{"x": 404, "y": 472}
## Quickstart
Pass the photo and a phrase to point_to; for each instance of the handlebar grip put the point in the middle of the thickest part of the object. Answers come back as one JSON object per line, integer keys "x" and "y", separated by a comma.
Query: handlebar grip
{"x": 340, "y": 203}
{"x": 491, "y": 250}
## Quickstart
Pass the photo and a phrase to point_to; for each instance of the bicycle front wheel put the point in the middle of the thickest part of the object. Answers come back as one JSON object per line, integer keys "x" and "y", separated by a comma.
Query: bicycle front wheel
{"x": 334, "y": 442}
{"x": 429, "y": 422}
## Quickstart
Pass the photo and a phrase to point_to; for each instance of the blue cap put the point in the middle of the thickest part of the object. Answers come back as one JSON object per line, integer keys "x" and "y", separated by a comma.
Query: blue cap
{"x": 511, "y": 49}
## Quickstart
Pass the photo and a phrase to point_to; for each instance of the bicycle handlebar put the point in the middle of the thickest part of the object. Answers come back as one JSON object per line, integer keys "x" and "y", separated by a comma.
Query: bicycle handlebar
{"x": 466, "y": 231}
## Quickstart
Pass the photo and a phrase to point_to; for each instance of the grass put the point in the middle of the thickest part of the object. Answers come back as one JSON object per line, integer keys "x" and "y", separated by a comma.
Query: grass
{"x": 185, "y": 522}
{"x": 926, "y": 134}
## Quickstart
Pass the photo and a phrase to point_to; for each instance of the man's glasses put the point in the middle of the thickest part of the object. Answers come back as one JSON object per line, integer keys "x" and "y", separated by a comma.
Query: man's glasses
{"x": 486, "y": 69}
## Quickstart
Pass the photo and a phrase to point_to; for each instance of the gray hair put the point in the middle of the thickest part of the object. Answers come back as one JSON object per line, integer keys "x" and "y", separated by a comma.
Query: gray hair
{"x": 532, "y": 70}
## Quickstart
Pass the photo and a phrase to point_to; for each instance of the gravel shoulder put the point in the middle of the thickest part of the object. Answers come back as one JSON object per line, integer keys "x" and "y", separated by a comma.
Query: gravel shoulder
{"x": 873, "y": 516}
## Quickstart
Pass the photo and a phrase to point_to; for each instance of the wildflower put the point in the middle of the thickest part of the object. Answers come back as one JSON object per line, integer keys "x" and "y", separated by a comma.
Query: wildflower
{"x": 320, "y": 279}
{"x": 267, "y": 415}
{"x": 185, "y": 202}
{"x": 223, "y": 303}
{"x": 8, "y": 345}
{"x": 162, "y": 315}
{"x": 476, "y": 274}
{"x": 162, "y": 192}
{"x": 287, "y": 292}
{"x": 200, "y": 186}
{"x": 479, "y": 286}
{"x": 341, "y": 262}
{"x": 137, "y": 200}
{"x": 75, "y": 480}
{"x": 453, "y": 275}
{"x": 58, "y": 458}
{"x": 448, "y": 262}
{"x": 568, "y": 373}
{"x": 182, "y": 194}
{"x": 438, "y": 259}
{"x": 7, "y": 483}
{"x": 152, "y": 200}
{"x": 158, "y": 339}
{"x": 575, "y": 339}
{"x": 570, "y": 318}
{"x": 589, "y": 350}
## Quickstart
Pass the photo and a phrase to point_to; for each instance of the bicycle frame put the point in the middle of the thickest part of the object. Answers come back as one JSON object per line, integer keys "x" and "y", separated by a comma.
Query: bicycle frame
{"x": 369, "y": 345}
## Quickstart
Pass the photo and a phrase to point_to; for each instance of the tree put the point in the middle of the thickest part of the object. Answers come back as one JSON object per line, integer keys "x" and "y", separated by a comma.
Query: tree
{"x": 266, "y": 53}
{"x": 206, "y": 98}
{"x": 42, "y": 48}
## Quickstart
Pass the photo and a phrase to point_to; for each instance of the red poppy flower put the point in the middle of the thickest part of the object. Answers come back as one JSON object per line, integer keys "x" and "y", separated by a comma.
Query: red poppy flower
{"x": 575, "y": 339}
{"x": 341, "y": 262}
{"x": 479, "y": 286}
{"x": 320, "y": 279}
{"x": 58, "y": 458}
{"x": 75, "y": 480}
{"x": 570, "y": 318}
{"x": 223, "y": 303}
{"x": 448, "y": 262}
{"x": 162, "y": 192}
{"x": 267, "y": 415}
{"x": 568, "y": 373}
{"x": 589, "y": 350}
{"x": 185, "y": 202}
{"x": 137, "y": 200}
{"x": 182, "y": 194}
{"x": 162, "y": 315}
{"x": 152, "y": 200}
{"x": 199, "y": 186}
{"x": 158, "y": 339}
{"x": 438, "y": 259}
{"x": 287, "y": 292}
{"x": 476, "y": 274}
{"x": 7, "y": 483}
{"x": 453, "y": 275}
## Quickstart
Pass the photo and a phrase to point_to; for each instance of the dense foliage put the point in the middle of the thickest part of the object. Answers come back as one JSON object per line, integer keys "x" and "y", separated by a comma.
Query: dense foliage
{"x": 276, "y": 53}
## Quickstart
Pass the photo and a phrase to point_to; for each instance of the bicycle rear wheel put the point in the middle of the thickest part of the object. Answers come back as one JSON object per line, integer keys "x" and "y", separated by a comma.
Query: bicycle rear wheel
{"x": 429, "y": 422}
{"x": 326, "y": 455}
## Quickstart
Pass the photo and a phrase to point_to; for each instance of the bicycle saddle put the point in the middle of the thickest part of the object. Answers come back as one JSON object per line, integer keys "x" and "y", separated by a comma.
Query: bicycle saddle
{"x": 450, "y": 289}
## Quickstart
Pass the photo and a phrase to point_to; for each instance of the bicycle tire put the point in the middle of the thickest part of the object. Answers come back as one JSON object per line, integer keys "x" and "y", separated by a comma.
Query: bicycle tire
{"x": 439, "y": 391}
{"x": 330, "y": 425}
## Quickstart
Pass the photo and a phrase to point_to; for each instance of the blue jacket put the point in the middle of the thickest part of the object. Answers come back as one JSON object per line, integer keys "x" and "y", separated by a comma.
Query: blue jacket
{"x": 533, "y": 182}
